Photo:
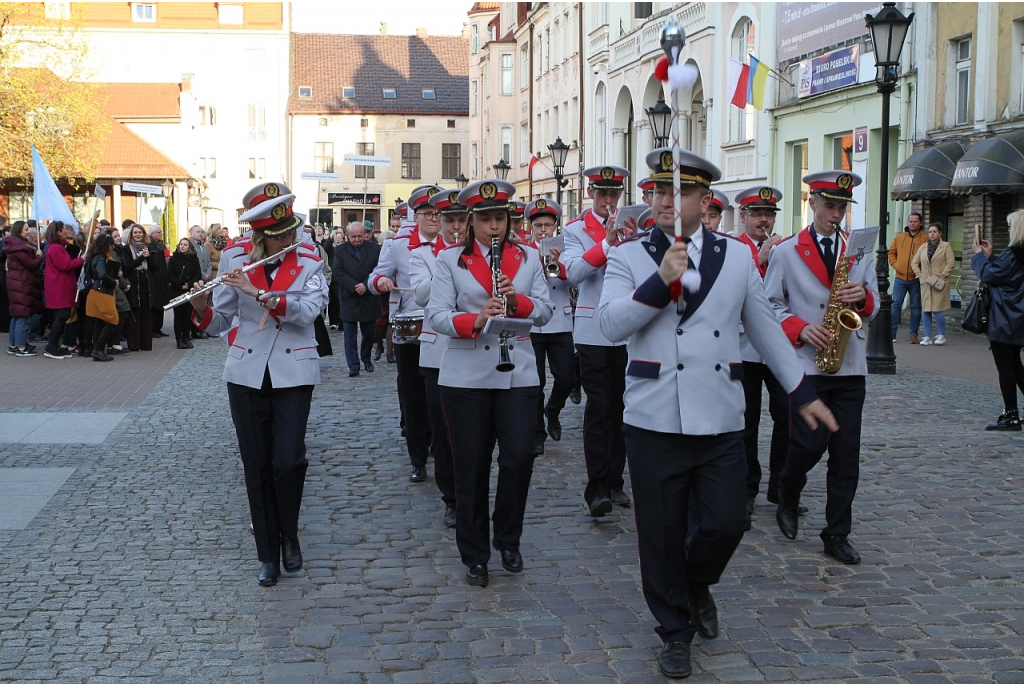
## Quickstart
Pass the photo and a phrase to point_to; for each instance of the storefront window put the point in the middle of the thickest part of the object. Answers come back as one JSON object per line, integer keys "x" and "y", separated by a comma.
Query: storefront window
{"x": 800, "y": 216}
{"x": 955, "y": 237}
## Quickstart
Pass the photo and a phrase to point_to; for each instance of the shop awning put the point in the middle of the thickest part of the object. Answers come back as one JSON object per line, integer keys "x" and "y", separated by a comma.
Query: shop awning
{"x": 927, "y": 173}
{"x": 991, "y": 166}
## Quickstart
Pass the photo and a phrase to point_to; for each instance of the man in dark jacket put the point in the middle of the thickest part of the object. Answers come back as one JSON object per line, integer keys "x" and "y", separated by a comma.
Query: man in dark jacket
{"x": 157, "y": 279}
{"x": 354, "y": 261}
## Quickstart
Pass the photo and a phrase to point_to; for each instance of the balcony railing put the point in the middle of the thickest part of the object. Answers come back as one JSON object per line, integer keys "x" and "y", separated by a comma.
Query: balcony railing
{"x": 646, "y": 39}
{"x": 597, "y": 47}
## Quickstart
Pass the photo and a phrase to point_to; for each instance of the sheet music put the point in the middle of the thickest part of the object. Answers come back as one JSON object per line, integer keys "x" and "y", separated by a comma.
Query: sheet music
{"x": 500, "y": 324}
{"x": 861, "y": 241}
{"x": 628, "y": 211}
{"x": 545, "y": 245}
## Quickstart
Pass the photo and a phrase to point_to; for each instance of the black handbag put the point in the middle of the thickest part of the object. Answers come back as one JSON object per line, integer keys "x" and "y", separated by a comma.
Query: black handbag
{"x": 975, "y": 318}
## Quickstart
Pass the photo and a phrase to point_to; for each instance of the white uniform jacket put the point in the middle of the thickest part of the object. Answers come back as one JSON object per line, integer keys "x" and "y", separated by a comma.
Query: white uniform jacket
{"x": 558, "y": 293}
{"x": 461, "y": 287}
{"x": 685, "y": 373}
{"x": 421, "y": 269}
{"x": 394, "y": 264}
{"x": 585, "y": 261}
{"x": 286, "y": 345}
{"x": 798, "y": 287}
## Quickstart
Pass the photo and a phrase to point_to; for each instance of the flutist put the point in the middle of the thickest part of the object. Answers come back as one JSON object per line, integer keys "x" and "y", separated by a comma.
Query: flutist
{"x": 801, "y": 287}
{"x": 484, "y": 404}
{"x": 271, "y": 368}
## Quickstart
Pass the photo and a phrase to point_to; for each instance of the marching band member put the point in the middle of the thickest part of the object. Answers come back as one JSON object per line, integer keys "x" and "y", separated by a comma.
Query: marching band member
{"x": 393, "y": 272}
{"x": 684, "y": 402}
{"x": 602, "y": 361}
{"x": 799, "y": 285}
{"x": 717, "y": 205}
{"x": 758, "y": 207}
{"x": 481, "y": 403}
{"x": 421, "y": 271}
{"x": 552, "y": 341}
{"x": 271, "y": 368}
{"x": 646, "y": 186}
{"x": 518, "y": 214}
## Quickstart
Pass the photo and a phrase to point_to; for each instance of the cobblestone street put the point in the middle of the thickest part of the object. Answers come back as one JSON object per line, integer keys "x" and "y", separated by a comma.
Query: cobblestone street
{"x": 141, "y": 566}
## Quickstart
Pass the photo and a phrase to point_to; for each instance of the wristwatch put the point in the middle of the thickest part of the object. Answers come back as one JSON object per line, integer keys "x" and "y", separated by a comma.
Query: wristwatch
{"x": 260, "y": 294}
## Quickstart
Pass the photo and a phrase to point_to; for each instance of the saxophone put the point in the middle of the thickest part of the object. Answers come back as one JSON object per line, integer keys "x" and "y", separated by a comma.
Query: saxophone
{"x": 839, "y": 319}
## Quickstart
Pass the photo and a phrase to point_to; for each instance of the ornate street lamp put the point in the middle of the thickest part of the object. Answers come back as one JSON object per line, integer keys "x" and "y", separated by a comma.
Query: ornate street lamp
{"x": 660, "y": 116}
{"x": 888, "y": 33}
{"x": 167, "y": 188}
{"x": 501, "y": 169}
{"x": 559, "y": 151}
{"x": 461, "y": 180}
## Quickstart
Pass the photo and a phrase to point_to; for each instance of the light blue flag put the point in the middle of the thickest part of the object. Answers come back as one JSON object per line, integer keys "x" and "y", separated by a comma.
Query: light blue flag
{"x": 47, "y": 202}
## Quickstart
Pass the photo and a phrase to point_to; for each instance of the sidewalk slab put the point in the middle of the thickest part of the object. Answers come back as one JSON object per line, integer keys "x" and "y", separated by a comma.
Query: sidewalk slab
{"x": 24, "y": 492}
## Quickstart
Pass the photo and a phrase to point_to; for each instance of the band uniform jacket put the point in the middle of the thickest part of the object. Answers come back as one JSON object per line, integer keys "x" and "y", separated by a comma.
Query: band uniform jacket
{"x": 286, "y": 344}
{"x": 457, "y": 296}
{"x": 585, "y": 262}
{"x": 351, "y": 270}
{"x": 694, "y": 386}
{"x": 558, "y": 293}
{"x": 798, "y": 287}
{"x": 747, "y": 351}
{"x": 422, "y": 264}
{"x": 394, "y": 264}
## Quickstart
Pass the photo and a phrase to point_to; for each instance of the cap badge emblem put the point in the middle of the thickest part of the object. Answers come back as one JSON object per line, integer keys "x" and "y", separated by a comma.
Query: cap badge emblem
{"x": 765, "y": 194}
{"x": 431, "y": 192}
{"x": 541, "y": 204}
{"x": 279, "y": 211}
{"x": 607, "y": 173}
{"x": 666, "y": 161}
{"x": 453, "y": 198}
{"x": 844, "y": 181}
{"x": 271, "y": 190}
{"x": 488, "y": 191}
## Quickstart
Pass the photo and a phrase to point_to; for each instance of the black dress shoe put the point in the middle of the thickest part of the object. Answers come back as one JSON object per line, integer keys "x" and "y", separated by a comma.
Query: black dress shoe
{"x": 270, "y": 571}
{"x": 788, "y": 519}
{"x": 353, "y": 373}
{"x": 477, "y": 575}
{"x": 189, "y": 345}
{"x": 368, "y": 366}
{"x": 750, "y": 505}
{"x": 291, "y": 555}
{"x": 600, "y": 506}
{"x": 620, "y": 498}
{"x": 703, "y": 611}
{"x": 554, "y": 427}
{"x": 839, "y": 548}
{"x": 182, "y": 345}
{"x": 101, "y": 357}
{"x": 773, "y": 497}
{"x": 539, "y": 446}
{"x": 575, "y": 397}
{"x": 511, "y": 561}
{"x": 418, "y": 475}
{"x": 391, "y": 359}
{"x": 376, "y": 356}
{"x": 674, "y": 660}
{"x": 449, "y": 515}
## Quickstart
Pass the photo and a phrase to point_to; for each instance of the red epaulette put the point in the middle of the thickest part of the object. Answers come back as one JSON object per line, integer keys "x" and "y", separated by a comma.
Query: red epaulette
{"x": 315, "y": 255}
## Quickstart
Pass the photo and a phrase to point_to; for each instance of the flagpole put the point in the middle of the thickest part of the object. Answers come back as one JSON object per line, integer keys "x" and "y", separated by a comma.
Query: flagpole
{"x": 672, "y": 40}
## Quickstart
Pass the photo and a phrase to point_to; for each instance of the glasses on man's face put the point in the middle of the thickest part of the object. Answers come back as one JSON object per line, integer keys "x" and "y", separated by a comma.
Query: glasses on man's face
{"x": 429, "y": 216}
{"x": 541, "y": 226}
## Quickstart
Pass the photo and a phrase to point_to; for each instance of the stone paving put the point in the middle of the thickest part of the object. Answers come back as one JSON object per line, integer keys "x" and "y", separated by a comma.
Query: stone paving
{"x": 142, "y": 568}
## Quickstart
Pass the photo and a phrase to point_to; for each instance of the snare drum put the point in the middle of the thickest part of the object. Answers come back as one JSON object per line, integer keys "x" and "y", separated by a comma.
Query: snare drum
{"x": 408, "y": 326}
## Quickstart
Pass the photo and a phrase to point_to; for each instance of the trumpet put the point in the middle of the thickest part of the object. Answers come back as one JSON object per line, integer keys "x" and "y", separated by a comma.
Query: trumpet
{"x": 551, "y": 266}
{"x": 182, "y": 299}
{"x": 504, "y": 357}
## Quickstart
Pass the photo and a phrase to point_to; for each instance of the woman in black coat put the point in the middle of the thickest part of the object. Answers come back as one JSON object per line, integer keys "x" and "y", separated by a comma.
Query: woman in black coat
{"x": 1004, "y": 276}
{"x": 157, "y": 281}
{"x": 135, "y": 256}
{"x": 183, "y": 272}
{"x": 103, "y": 333}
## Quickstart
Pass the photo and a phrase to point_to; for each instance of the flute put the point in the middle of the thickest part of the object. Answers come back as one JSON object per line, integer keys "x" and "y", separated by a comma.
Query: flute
{"x": 181, "y": 299}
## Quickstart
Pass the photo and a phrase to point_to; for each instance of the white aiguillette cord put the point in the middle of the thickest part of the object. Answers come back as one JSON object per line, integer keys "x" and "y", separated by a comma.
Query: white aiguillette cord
{"x": 267, "y": 296}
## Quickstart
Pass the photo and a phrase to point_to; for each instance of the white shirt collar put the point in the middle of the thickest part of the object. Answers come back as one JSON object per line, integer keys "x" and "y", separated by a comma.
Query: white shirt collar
{"x": 697, "y": 240}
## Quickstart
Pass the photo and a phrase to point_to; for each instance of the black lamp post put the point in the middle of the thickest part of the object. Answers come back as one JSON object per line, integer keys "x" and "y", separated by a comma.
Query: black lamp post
{"x": 888, "y": 33}
{"x": 501, "y": 169}
{"x": 660, "y": 117}
{"x": 461, "y": 180}
{"x": 559, "y": 151}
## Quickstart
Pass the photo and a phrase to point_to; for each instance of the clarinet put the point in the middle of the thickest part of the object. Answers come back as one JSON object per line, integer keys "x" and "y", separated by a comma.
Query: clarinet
{"x": 504, "y": 358}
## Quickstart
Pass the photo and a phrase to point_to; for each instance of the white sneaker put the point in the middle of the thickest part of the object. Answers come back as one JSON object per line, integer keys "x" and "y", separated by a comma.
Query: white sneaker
{"x": 925, "y": 341}
{"x": 940, "y": 340}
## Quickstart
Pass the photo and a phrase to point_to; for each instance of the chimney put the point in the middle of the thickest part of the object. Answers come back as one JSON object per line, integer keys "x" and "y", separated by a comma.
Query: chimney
{"x": 186, "y": 83}
{"x": 465, "y": 30}
{"x": 421, "y": 33}
{"x": 383, "y": 28}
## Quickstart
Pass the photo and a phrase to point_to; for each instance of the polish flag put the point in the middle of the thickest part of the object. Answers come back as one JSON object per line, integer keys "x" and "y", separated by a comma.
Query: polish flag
{"x": 739, "y": 74}
{"x": 533, "y": 160}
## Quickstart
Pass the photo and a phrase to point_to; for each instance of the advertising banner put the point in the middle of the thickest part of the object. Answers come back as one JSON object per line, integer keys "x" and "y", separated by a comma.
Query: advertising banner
{"x": 831, "y": 71}
{"x": 805, "y": 27}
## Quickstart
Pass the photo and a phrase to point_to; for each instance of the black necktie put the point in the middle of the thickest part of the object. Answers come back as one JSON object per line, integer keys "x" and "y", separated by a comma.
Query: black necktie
{"x": 829, "y": 256}
{"x": 270, "y": 269}
{"x": 759, "y": 244}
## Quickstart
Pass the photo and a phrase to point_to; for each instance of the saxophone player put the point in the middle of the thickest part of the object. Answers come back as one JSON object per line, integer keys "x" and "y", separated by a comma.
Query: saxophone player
{"x": 799, "y": 283}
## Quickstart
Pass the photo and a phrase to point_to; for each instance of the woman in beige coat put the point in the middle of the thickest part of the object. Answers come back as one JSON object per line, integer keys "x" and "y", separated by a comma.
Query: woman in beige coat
{"x": 933, "y": 264}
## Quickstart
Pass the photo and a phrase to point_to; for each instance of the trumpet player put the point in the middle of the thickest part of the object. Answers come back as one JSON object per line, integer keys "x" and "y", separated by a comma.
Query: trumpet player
{"x": 552, "y": 342}
{"x": 717, "y": 205}
{"x": 483, "y": 404}
{"x": 800, "y": 285}
{"x": 518, "y": 214}
{"x": 271, "y": 368}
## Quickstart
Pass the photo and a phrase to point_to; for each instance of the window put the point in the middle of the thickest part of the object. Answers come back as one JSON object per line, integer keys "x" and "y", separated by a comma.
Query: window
{"x": 363, "y": 171}
{"x": 643, "y": 10}
{"x": 476, "y": 155}
{"x": 474, "y": 93}
{"x": 348, "y": 92}
{"x": 305, "y": 91}
{"x": 524, "y": 66}
{"x": 323, "y": 121}
{"x": 602, "y": 13}
{"x": 257, "y": 168}
{"x": 410, "y": 160}
{"x": 429, "y": 94}
{"x": 364, "y": 123}
{"x": 323, "y": 158}
{"x": 474, "y": 39}
{"x": 390, "y": 94}
{"x": 800, "y": 216}
{"x": 506, "y": 73}
{"x": 451, "y": 160}
{"x": 144, "y": 11}
{"x": 57, "y": 10}
{"x": 524, "y": 143}
{"x": 257, "y": 122}
{"x": 963, "y": 80}
{"x": 547, "y": 49}
{"x": 207, "y": 115}
{"x": 208, "y": 167}
{"x": 451, "y": 123}
{"x": 410, "y": 123}
{"x": 741, "y": 121}
{"x": 842, "y": 151}
{"x": 601, "y": 110}
{"x": 506, "y": 144}
{"x": 230, "y": 14}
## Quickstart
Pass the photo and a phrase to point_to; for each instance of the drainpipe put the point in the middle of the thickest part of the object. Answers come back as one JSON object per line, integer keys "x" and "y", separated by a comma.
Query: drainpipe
{"x": 905, "y": 144}
{"x": 582, "y": 135}
{"x": 529, "y": 123}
